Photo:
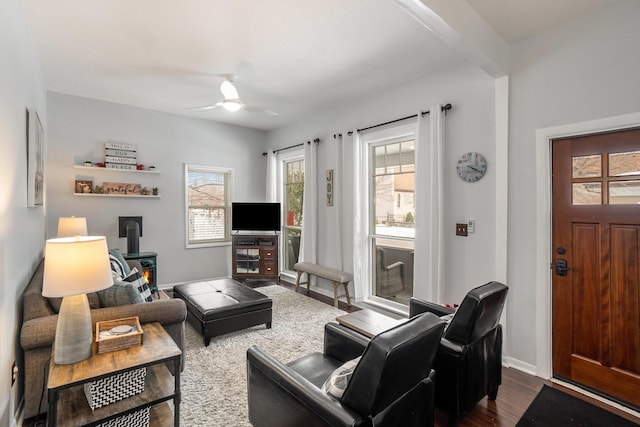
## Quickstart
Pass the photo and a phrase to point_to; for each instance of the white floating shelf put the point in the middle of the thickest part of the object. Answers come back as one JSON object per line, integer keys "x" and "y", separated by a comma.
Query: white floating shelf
{"x": 115, "y": 170}
{"x": 139, "y": 196}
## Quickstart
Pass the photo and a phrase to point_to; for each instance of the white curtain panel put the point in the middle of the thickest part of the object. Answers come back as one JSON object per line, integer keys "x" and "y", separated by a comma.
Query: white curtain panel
{"x": 309, "y": 237}
{"x": 272, "y": 177}
{"x": 361, "y": 273}
{"x": 338, "y": 211}
{"x": 429, "y": 187}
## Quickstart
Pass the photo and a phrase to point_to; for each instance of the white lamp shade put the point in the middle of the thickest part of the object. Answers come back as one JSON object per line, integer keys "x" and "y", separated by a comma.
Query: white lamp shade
{"x": 70, "y": 226}
{"x": 76, "y": 265}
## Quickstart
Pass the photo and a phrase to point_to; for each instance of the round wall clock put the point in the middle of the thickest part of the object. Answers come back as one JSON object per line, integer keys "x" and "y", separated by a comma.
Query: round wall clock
{"x": 471, "y": 167}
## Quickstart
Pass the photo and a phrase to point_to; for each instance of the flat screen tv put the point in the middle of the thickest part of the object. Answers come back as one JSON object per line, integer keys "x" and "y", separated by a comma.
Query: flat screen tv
{"x": 255, "y": 216}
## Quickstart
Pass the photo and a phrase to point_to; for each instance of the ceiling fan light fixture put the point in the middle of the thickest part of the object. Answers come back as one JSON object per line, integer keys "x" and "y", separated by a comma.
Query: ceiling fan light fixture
{"x": 231, "y": 104}
{"x": 228, "y": 90}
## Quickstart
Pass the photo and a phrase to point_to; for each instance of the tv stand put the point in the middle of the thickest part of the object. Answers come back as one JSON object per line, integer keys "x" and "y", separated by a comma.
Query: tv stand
{"x": 255, "y": 257}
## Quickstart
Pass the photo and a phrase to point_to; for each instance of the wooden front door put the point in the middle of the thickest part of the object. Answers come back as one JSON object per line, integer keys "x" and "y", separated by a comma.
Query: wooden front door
{"x": 596, "y": 262}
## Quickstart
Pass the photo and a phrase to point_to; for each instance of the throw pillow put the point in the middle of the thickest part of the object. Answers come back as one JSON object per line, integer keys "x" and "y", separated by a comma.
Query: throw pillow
{"x": 120, "y": 293}
{"x": 125, "y": 266}
{"x": 140, "y": 283}
{"x": 337, "y": 382}
{"x": 117, "y": 269}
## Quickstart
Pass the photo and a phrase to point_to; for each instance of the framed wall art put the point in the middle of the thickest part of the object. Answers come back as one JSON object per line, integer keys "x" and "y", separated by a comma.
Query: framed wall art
{"x": 35, "y": 160}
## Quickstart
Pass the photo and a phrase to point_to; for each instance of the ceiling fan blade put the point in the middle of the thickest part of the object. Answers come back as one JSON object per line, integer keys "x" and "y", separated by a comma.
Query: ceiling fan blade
{"x": 228, "y": 90}
{"x": 206, "y": 107}
{"x": 259, "y": 110}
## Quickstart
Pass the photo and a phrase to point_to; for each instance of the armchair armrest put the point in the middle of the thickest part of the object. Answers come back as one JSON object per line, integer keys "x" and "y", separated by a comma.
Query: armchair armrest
{"x": 397, "y": 264}
{"x": 417, "y": 306}
{"x": 342, "y": 344}
{"x": 277, "y": 393}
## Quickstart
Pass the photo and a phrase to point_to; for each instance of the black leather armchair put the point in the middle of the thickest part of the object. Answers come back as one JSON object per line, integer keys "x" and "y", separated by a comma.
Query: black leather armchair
{"x": 392, "y": 385}
{"x": 469, "y": 359}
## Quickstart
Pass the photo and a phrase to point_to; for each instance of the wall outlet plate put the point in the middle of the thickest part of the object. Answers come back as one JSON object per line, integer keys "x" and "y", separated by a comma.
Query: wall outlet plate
{"x": 462, "y": 230}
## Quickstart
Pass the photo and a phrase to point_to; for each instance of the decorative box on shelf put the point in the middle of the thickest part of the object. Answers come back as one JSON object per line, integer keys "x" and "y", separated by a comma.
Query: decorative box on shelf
{"x": 135, "y": 419}
{"x": 114, "y": 388}
{"x": 111, "y": 335}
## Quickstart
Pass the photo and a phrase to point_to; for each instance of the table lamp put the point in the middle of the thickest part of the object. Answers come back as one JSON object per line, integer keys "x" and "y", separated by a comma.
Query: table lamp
{"x": 71, "y": 226}
{"x": 73, "y": 267}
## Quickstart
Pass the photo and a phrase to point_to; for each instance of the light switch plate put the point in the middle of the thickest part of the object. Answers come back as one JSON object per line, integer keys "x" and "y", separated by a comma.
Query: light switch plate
{"x": 462, "y": 230}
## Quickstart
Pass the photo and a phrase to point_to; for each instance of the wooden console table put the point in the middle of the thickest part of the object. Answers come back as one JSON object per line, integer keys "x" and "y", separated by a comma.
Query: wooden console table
{"x": 68, "y": 405}
{"x": 368, "y": 322}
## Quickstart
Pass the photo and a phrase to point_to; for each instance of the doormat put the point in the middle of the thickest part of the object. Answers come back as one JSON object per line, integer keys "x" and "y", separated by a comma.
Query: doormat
{"x": 552, "y": 407}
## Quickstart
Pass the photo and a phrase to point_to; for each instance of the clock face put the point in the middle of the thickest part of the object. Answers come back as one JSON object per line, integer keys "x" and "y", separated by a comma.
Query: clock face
{"x": 471, "y": 167}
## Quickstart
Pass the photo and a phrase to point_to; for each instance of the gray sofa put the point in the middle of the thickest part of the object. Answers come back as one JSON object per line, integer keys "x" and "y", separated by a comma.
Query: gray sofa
{"x": 39, "y": 326}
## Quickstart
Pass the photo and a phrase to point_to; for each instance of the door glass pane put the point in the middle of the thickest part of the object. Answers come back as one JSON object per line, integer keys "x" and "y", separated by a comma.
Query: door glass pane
{"x": 587, "y": 166}
{"x": 624, "y": 164}
{"x": 292, "y": 247}
{"x": 394, "y": 189}
{"x": 624, "y": 193}
{"x": 293, "y": 199}
{"x": 587, "y": 193}
{"x": 393, "y": 273}
{"x": 294, "y": 189}
{"x": 393, "y": 229}
{"x": 247, "y": 260}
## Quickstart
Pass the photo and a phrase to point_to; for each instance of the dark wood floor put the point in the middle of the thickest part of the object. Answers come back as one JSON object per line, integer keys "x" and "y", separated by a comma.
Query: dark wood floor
{"x": 516, "y": 393}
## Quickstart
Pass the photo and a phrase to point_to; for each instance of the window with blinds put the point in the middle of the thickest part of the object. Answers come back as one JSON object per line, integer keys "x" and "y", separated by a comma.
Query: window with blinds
{"x": 208, "y": 201}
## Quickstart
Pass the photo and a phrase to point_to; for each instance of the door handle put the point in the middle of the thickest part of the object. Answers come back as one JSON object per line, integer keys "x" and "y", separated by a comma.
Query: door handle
{"x": 561, "y": 267}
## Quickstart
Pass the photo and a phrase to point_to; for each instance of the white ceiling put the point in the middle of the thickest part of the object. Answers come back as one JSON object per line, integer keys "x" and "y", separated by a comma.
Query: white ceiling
{"x": 290, "y": 56}
{"x": 515, "y": 20}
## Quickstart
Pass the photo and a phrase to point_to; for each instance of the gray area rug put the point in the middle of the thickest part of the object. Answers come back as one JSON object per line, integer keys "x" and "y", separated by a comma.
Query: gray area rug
{"x": 214, "y": 381}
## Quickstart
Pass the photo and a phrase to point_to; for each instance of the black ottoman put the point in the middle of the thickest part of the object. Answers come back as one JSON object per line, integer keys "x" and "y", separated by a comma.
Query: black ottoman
{"x": 220, "y": 306}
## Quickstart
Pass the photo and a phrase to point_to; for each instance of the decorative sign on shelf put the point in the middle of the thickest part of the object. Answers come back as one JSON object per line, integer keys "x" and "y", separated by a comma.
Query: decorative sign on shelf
{"x": 121, "y": 188}
{"x": 84, "y": 186}
{"x": 119, "y": 153}
{"x": 119, "y": 146}
{"x": 120, "y": 156}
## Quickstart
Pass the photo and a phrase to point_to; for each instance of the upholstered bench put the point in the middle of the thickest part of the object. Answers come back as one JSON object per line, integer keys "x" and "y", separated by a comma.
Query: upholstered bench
{"x": 337, "y": 278}
{"x": 220, "y": 306}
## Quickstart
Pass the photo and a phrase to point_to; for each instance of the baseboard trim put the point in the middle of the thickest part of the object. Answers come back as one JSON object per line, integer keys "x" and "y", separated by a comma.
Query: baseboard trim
{"x": 525, "y": 367}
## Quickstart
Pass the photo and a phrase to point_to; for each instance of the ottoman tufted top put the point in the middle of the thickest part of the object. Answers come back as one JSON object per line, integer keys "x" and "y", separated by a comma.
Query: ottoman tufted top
{"x": 220, "y": 298}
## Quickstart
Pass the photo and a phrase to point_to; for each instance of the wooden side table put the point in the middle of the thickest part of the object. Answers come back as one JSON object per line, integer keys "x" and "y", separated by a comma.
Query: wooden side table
{"x": 68, "y": 405}
{"x": 368, "y": 322}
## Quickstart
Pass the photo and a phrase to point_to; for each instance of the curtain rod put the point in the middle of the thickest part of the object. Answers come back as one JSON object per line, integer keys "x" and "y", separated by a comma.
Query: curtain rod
{"x": 444, "y": 108}
{"x": 317, "y": 140}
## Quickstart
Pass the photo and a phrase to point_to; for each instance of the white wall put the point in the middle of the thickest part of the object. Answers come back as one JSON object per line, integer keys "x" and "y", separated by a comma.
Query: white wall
{"x": 584, "y": 71}
{"x": 77, "y": 132}
{"x": 469, "y": 127}
{"x": 22, "y": 229}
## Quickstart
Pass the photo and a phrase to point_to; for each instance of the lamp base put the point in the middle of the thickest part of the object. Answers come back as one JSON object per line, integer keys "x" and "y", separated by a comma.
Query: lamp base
{"x": 74, "y": 333}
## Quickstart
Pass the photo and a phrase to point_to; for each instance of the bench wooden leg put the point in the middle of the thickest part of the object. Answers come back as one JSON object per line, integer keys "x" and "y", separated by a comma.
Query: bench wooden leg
{"x": 335, "y": 293}
{"x": 298, "y": 280}
{"x": 346, "y": 292}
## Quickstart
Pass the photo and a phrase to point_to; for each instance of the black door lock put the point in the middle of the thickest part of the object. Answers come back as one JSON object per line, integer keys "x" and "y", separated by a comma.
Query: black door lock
{"x": 561, "y": 267}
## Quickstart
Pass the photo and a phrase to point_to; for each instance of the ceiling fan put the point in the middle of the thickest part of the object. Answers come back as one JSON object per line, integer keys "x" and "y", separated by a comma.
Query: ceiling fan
{"x": 231, "y": 100}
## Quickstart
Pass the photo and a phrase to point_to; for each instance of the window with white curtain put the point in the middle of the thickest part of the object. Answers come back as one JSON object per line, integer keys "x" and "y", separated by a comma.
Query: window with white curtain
{"x": 391, "y": 186}
{"x": 208, "y": 205}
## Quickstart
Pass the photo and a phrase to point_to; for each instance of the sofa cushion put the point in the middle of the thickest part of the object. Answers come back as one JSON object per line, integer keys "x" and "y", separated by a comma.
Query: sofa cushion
{"x": 94, "y": 302}
{"x": 120, "y": 293}
{"x": 140, "y": 284}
